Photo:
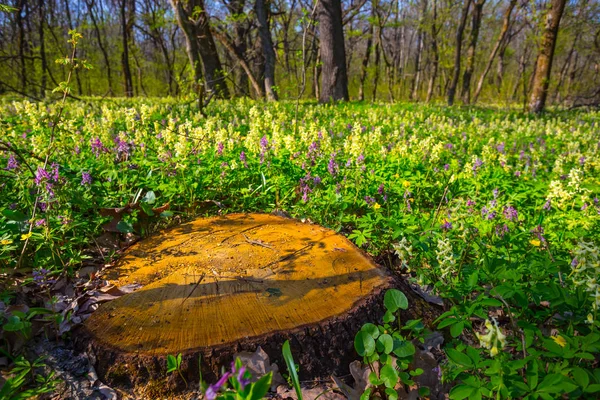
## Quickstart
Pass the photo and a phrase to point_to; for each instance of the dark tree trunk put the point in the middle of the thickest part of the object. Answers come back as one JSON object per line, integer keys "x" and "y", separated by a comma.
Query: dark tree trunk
{"x": 191, "y": 45}
{"x": 261, "y": 8}
{"x": 418, "y": 56}
{"x": 457, "y": 52}
{"x": 435, "y": 52}
{"x": 90, "y": 6}
{"x": 365, "y": 63}
{"x": 22, "y": 44}
{"x": 541, "y": 78}
{"x": 126, "y": 32}
{"x": 240, "y": 45}
{"x": 70, "y": 22}
{"x": 470, "y": 67}
{"x": 376, "y": 77}
{"x": 42, "y": 18}
{"x": 334, "y": 83}
{"x": 503, "y": 31}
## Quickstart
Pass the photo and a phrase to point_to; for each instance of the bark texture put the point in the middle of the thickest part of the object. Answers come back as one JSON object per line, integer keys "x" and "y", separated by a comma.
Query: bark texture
{"x": 541, "y": 79}
{"x": 334, "y": 81}
{"x": 264, "y": 30}
{"x": 457, "y": 52}
{"x": 471, "y": 52}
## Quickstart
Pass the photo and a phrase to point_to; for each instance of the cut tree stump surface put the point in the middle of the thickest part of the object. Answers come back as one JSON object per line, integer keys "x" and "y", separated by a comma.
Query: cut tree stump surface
{"x": 215, "y": 281}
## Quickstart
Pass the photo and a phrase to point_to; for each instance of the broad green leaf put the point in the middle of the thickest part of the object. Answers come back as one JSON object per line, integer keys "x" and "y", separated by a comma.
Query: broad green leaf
{"x": 459, "y": 358}
{"x": 364, "y": 344}
{"x": 394, "y": 300}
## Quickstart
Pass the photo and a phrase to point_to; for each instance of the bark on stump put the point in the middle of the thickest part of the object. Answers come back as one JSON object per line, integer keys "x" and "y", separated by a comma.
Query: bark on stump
{"x": 217, "y": 286}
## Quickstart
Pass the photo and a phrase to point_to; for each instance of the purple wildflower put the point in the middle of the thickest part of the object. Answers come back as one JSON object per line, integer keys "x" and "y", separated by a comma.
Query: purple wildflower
{"x": 510, "y": 213}
{"x": 86, "y": 179}
{"x": 500, "y": 148}
{"x": 12, "y": 163}
{"x": 491, "y": 215}
{"x": 381, "y": 189}
{"x": 502, "y": 230}
{"x": 332, "y": 166}
{"x": 548, "y": 205}
{"x": 581, "y": 160}
{"x": 446, "y": 167}
{"x": 40, "y": 222}
{"x": 447, "y": 225}
{"x": 360, "y": 159}
{"x": 243, "y": 159}
{"x": 97, "y": 146}
{"x": 574, "y": 263}
{"x": 370, "y": 200}
{"x": 478, "y": 163}
{"x": 220, "y": 148}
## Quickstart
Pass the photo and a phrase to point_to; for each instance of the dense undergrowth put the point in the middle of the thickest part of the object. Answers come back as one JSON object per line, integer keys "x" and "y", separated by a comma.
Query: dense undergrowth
{"x": 495, "y": 210}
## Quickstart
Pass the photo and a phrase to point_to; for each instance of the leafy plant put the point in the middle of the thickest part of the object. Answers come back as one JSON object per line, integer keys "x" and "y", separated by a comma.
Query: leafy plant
{"x": 174, "y": 365}
{"x": 390, "y": 348}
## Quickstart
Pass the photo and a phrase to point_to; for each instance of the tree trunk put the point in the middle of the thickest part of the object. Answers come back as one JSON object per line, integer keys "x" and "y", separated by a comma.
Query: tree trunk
{"x": 503, "y": 31}
{"x": 240, "y": 59}
{"x": 42, "y": 18}
{"x": 22, "y": 45}
{"x": 240, "y": 45}
{"x": 541, "y": 78}
{"x": 365, "y": 63}
{"x": 126, "y": 32}
{"x": 334, "y": 84}
{"x": 70, "y": 22}
{"x": 90, "y": 6}
{"x": 418, "y": 56}
{"x": 457, "y": 51}
{"x": 264, "y": 30}
{"x": 376, "y": 66}
{"x": 191, "y": 45}
{"x": 476, "y": 24}
{"x": 436, "y": 55}
{"x": 311, "y": 286}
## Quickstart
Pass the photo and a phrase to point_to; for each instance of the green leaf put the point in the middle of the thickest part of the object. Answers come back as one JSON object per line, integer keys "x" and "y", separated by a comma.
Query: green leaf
{"x": 389, "y": 317}
{"x": 166, "y": 214}
{"x": 14, "y": 215}
{"x": 389, "y": 376}
{"x": 459, "y": 358}
{"x": 124, "y": 227}
{"x": 457, "y": 329}
{"x": 395, "y": 299}
{"x": 385, "y": 344}
{"x": 391, "y": 394}
{"x": 171, "y": 363}
{"x": 460, "y": 392}
{"x": 364, "y": 344}
{"x": 371, "y": 329}
{"x": 291, "y": 366}
{"x": 261, "y": 387}
{"x": 366, "y": 394}
{"x": 403, "y": 348}
{"x": 424, "y": 391}
{"x": 581, "y": 376}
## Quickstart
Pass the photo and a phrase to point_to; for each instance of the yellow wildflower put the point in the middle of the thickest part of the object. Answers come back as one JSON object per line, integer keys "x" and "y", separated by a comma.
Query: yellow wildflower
{"x": 6, "y": 241}
{"x": 494, "y": 339}
{"x": 535, "y": 242}
{"x": 376, "y": 206}
{"x": 26, "y": 236}
{"x": 590, "y": 319}
{"x": 406, "y": 184}
{"x": 559, "y": 340}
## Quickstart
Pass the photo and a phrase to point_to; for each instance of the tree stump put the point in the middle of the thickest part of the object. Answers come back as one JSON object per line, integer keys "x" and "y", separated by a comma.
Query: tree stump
{"x": 217, "y": 286}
